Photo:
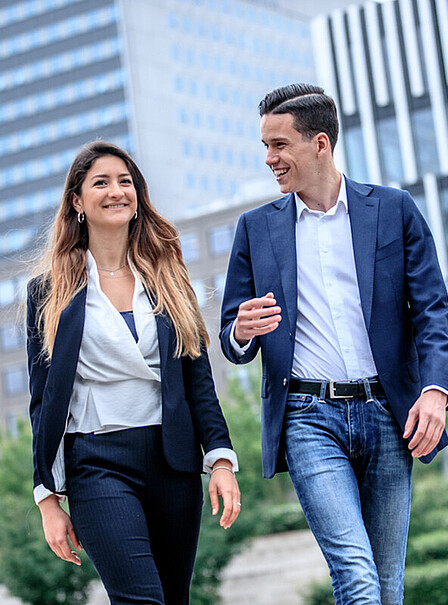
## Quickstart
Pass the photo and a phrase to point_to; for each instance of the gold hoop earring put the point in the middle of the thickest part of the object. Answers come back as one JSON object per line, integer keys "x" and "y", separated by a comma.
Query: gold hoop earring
{"x": 81, "y": 217}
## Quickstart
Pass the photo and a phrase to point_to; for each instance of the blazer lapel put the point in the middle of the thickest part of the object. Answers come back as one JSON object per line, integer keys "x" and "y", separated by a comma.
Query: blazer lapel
{"x": 68, "y": 337}
{"x": 282, "y": 231}
{"x": 363, "y": 211}
{"x": 163, "y": 332}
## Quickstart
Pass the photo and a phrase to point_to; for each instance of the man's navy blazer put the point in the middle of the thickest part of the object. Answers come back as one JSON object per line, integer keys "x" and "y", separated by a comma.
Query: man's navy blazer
{"x": 191, "y": 415}
{"x": 403, "y": 297}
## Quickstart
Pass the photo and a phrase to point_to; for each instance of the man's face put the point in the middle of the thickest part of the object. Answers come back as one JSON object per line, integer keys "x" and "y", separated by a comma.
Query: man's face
{"x": 292, "y": 159}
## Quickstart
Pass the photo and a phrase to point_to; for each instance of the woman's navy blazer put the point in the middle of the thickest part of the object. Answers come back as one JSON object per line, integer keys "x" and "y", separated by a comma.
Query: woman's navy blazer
{"x": 192, "y": 419}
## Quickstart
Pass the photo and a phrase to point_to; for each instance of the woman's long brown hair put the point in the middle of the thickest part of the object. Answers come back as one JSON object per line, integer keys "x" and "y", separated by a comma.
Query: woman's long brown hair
{"x": 154, "y": 250}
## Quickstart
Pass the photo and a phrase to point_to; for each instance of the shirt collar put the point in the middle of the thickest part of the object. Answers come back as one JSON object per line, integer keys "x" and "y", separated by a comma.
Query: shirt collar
{"x": 342, "y": 199}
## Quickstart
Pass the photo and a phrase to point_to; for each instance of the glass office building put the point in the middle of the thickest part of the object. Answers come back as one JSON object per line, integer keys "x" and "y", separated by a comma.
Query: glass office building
{"x": 183, "y": 76}
{"x": 198, "y": 69}
{"x": 387, "y": 66}
{"x": 176, "y": 82}
{"x": 62, "y": 84}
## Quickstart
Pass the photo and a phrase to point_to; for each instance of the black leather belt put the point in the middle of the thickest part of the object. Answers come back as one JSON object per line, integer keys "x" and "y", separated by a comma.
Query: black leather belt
{"x": 344, "y": 389}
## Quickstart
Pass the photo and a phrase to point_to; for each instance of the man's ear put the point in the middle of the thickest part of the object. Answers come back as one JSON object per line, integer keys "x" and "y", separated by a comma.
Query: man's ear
{"x": 323, "y": 143}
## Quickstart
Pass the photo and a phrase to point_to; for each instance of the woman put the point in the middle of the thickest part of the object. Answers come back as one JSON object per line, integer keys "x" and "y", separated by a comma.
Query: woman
{"x": 122, "y": 396}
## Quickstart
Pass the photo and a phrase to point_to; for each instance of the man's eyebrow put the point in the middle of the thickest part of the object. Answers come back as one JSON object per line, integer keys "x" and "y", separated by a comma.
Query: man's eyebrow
{"x": 274, "y": 139}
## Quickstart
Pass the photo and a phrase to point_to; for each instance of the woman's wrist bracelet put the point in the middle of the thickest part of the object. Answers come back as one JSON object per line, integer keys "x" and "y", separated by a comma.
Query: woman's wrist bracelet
{"x": 225, "y": 468}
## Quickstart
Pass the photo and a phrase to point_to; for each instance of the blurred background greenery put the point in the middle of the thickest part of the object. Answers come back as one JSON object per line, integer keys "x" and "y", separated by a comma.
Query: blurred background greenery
{"x": 33, "y": 573}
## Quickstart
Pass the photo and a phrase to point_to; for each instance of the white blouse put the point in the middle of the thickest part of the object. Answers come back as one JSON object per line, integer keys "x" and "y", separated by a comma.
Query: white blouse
{"x": 113, "y": 368}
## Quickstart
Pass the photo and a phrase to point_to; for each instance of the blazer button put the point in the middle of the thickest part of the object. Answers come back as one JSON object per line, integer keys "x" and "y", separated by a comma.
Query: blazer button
{"x": 285, "y": 382}
{"x": 290, "y": 336}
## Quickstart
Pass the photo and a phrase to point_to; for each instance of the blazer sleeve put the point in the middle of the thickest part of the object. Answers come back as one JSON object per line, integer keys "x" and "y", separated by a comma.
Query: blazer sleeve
{"x": 200, "y": 393}
{"x": 37, "y": 367}
{"x": 427, "y": 297}
{"x": 239, "y": 287}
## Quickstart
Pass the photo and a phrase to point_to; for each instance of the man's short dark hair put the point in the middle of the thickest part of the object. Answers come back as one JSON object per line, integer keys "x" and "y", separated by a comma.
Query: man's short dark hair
{"x": 313, "y": 111}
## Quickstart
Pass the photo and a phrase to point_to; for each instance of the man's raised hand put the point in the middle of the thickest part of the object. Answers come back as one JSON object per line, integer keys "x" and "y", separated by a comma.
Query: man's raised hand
{"x": 255, "y": 317}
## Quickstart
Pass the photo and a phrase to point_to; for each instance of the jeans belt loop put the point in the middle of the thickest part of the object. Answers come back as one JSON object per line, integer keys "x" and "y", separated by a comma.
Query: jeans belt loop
{"x": 368, "y": 390}
{"x": 332, "y": 389}
{"x": 323, "y": 388}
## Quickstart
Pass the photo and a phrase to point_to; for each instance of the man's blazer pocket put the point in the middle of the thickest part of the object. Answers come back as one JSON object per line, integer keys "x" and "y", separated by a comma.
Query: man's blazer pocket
{"x": 391, "y": 249}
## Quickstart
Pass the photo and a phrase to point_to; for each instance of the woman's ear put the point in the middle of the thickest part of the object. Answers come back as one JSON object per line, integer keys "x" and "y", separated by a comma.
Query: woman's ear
{"x": 76, "y": 203}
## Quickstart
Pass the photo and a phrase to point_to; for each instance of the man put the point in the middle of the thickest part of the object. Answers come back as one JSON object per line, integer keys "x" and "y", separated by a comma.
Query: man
{"x": 338, "y": 284}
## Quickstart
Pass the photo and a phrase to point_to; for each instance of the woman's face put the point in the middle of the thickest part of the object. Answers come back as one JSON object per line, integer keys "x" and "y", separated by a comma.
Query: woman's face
{"x": 108, "y": 196}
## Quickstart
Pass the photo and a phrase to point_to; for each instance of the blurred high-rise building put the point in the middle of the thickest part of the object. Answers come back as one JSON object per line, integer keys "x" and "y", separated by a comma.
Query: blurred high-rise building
{"x": 61, "y": 85}
{"x": 386, "y": 64}
{"x": 176, "y": 82}
{"x": 197, "y": 71}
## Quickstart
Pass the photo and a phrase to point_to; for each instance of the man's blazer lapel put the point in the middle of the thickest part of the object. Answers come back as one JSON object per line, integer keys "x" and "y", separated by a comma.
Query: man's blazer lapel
{"x": 282, "y": 231}
{"x": 363, "y": 211}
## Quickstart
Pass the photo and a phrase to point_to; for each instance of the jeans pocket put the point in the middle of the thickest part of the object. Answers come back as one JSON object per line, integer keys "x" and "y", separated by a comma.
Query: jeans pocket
{"x": 298, "y": 403}
{"x": 382, "y": 404}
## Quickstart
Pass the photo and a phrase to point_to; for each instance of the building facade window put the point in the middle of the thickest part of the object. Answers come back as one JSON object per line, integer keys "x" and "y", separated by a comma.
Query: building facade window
{"x": 15, "y": 380}
{"x": 220, "y": 239}
{"x": 392, "y": 164}
{"x": 424, "y": 137}
{"x": 219, "y": 281}
{"x": 11, "y": 337}
{"x": 355, "y": 152}
{"x": 25, "y": 10}
{"x": 200, "y": 291}
{"x": 190, "y": 247}
{"x": 7, "y": 292}
{"x": 57, "y": 31}
{"x": 444, "y": 208}
{"x": 60, "y": 63}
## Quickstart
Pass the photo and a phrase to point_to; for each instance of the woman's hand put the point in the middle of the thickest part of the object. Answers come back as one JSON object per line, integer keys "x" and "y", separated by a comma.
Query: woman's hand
{"x": 57, "y": 526}
{"x": 223, "y": 483}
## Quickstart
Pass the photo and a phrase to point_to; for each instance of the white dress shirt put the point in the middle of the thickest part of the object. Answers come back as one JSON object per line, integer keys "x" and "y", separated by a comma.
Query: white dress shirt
{"x": 331, "y": 341}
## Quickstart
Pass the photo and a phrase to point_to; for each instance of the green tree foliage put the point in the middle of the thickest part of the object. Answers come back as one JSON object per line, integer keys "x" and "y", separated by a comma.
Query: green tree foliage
{"x": 426, "y": 579}
{"x": 269, "y": 506}
{"x": 28, "y": 568}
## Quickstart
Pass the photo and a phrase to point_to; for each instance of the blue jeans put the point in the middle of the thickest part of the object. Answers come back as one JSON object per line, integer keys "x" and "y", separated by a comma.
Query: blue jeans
{"x": 137, "y": 518}
{"x": 351, "y": 469}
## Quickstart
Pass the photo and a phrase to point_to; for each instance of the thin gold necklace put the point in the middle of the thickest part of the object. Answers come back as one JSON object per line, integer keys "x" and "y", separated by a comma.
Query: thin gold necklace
{"x": 112, "y": 273}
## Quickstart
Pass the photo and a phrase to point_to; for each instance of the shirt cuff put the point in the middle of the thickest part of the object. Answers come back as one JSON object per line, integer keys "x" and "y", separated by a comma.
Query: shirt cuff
{"x": 40, "y": 493}
{"x": 236, "y": 347}
{"x": 220, "y": 452}
{"x": 436, "y": 387}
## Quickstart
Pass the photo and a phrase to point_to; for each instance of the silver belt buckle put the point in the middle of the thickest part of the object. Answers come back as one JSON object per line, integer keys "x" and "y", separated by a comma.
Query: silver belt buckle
{"x": 333, "y": 395}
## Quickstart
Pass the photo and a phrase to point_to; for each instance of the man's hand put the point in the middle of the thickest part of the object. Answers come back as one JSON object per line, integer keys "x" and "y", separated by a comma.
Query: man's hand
{"x": 256, "y": 317}
{"x": 429, "y": 411}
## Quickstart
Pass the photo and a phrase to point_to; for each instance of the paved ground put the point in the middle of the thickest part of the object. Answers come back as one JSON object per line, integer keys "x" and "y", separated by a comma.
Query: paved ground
{"x": 5, "y": 599}
{"x": 271, "y": 570}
